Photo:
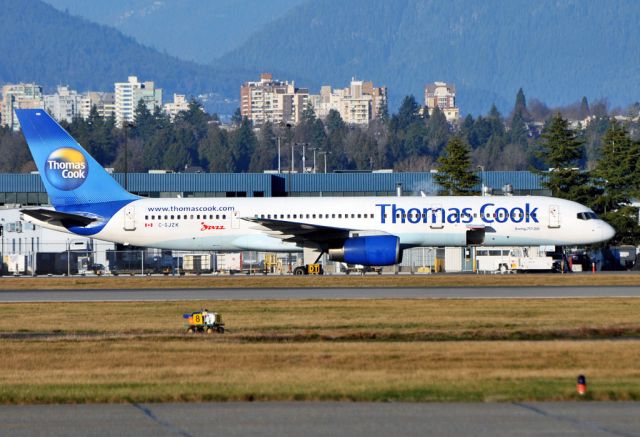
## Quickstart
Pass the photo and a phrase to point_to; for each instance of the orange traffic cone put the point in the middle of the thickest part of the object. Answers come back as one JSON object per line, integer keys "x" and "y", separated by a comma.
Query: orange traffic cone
{"x": 582, "y": 385}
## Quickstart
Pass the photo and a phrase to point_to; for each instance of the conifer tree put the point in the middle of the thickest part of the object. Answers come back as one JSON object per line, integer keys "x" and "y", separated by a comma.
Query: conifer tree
{"x": 615, "y": 172}
{"x": 562, "y": 152}
{"x": 616, "y": 175}
{"x": 455, "y": 174}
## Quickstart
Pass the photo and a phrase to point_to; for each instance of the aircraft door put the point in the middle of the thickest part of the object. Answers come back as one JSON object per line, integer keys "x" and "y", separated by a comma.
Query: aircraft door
{"x": 235, "y": 220}
{"x": 554, "y": 216}
{"x": 436, "y": 217}
{"x": 130, "y": 217}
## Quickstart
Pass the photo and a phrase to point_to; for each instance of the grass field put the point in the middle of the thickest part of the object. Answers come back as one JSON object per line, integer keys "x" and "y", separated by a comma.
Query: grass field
{"x": 260, "y": 281}
{"x": 379, "y": 350}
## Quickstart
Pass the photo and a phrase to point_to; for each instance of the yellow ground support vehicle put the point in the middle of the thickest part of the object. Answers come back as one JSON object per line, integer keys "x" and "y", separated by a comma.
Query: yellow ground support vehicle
{"x": 203, "y": 321}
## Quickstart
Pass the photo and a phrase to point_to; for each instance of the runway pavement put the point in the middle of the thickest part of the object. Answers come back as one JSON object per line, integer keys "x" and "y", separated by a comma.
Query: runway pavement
{"x": 324, "y": 418}
{"x": 314, "y": 293}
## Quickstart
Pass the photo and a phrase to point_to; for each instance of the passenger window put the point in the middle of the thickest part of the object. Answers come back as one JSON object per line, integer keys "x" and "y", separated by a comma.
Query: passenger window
{"x": 224, "y": 216}
{"x": 288, "y": 216}
{"x": 307, "y": 215}
{"x": 295, "y": 216}
{"x": 166, "y": 217}
{"x": 333, "y": 216}
{"x": 198, "y": 216}
{"x": 339, "y": 215}
{"x": 314, "y": 216}
{"x": 359, "y": 215}
{"x": 146, "y": 217}
{"x": 171, "y": 217}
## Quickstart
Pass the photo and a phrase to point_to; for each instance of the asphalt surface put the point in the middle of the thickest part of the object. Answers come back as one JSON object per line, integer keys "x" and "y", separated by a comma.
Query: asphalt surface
{"x": 313, "y": 293}
{"x": 324, "y": 419}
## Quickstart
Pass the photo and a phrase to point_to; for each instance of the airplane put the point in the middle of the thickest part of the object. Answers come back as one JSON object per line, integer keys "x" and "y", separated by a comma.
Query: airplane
{"x": 370, "y": 231}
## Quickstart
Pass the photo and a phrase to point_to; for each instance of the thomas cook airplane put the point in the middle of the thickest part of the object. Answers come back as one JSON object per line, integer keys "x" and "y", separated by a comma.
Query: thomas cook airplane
{"x": 358, "y": 230}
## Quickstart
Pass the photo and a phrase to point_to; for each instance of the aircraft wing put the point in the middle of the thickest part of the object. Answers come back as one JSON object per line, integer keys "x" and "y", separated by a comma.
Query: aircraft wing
{"x": 51, "y": 216}
{"x": 299, "y": 233}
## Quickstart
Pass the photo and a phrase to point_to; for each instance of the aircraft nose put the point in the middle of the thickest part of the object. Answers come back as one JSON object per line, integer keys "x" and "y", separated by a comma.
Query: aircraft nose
{"x": 606, "y": 231}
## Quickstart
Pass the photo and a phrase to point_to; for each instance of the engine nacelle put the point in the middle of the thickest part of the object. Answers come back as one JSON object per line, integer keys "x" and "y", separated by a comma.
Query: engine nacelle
{"x": 375, "y": 250}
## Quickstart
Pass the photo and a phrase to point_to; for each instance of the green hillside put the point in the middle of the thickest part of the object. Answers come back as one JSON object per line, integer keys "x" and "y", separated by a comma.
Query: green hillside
{"x": 558, "y": 50}
{"x": 42, "y": 44}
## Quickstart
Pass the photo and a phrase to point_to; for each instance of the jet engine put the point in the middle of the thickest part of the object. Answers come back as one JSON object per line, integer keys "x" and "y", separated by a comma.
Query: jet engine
{"x": 375, "y": 250}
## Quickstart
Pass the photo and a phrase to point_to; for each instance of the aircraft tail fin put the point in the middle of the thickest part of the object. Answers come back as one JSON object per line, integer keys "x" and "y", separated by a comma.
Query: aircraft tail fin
{"x": 70, "y": 175}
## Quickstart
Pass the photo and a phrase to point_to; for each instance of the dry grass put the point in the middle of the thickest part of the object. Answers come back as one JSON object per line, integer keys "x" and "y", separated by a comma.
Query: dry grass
{"x": 317, "y": 349}
{"x": 199, "y": 369}
{"x": 258, "y": 281}
{"x": 384, "y": 319}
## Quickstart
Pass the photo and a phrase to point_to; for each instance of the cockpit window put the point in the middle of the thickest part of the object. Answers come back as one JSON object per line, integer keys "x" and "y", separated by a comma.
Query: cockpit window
{"x": 587, "y": 216}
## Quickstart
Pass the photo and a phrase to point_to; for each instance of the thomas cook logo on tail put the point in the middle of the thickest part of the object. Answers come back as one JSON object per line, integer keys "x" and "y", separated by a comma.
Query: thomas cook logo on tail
{"x": 66, "y": 168}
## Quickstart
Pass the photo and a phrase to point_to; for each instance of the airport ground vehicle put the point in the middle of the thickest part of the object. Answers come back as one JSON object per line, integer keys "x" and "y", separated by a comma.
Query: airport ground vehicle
{"x": 360, "y": 269}
{"x": 514, "y": 259}
{"x": 203, "y": 321}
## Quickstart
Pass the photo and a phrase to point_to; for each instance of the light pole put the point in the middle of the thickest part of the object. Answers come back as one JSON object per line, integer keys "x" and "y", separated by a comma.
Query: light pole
{"x": 304, "y": 158}
{"x": 315, "y": 149}
{"x": 481, "y": 168}
{"x": 279, "y": 155}
{"x": 325, "y": 153}
{"x": 126, "y": 126}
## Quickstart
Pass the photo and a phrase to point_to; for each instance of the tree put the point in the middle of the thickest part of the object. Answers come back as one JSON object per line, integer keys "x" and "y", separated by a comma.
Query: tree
{"x": 584, "y": 111}
{"x": 144, "y": 124}
{"x": 408, "y": 113}
{"x": 213, "y": 151}
{"x": 242, "y": 147}
{"x": 615, "y": 171}
{"x": 520, "y": 106}
{"x": 236, "y": 118}
{"x": 455, "y": 174}
{"x": 437, "y": 131}
{"x": 615, "y": 175}
{"x": 562, "y": 151}
{"x": 265, "y": 155}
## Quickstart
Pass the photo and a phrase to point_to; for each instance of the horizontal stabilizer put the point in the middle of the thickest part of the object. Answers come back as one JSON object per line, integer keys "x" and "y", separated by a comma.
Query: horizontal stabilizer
{"x": 65, "y": 218}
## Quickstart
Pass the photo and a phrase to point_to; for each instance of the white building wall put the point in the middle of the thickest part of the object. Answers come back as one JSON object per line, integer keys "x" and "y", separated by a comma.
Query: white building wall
{"x": 128, "y": 94}
{"x": 19, "y": 96}
{"x": 65, "y": 104}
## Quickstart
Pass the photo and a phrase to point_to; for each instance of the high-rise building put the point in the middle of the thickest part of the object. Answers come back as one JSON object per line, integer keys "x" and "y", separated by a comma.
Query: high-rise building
{"x": 129, "y": 93}
{"x": 64, "y": 105}
{"x": 19, "y": 96}
{"x": 358, "y": 104}
{"x": 104, "y": 103}
{"x": 272, "y": 101}
{"x": 179, "y": 104}
{"x": 443, "y": 96}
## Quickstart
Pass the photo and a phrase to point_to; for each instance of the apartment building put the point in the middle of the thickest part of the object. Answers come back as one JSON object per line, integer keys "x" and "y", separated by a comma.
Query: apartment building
{"x": 358, "y": 104}
{"x": 129, "y": 93}
{"x": 274, "y": 101}
{"x": 443, "y": 96}
{"x": 64, "y": 104}
{"x": 105, "y": 104}
{"x": 179, "y": 104}
{"x": 19, "y": 96}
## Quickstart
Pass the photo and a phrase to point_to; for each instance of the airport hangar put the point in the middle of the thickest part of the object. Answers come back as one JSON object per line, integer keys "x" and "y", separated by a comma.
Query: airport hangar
{"x": 23, "y": 240}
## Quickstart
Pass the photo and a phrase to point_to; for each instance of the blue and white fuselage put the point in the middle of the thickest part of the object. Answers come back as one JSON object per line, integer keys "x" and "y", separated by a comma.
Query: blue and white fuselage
{"x": 368, "y": 230}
